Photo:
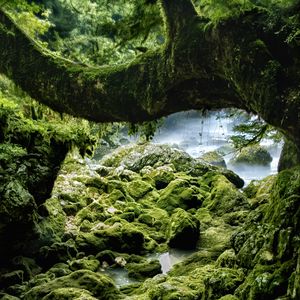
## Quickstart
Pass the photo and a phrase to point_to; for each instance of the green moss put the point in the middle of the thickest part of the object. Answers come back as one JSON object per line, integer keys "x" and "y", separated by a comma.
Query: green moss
{"x": 59, "y": 270}
{"x": 184, "y": 230}
{"x": 227, "y": 259}
{"x": 88, "y": 282}
{"x": 203, "y": 215}
{"x": 179, "y": 193}
{"x": 162, "y": 176}
{"x": 93, "y": 212}
{"x": 267, "y": 280}
{"x": 17, "y": 204}
{"x": 87, "y": 263}
{"x": 255, "y": 155}
{"x": 224, "y": 197}
{"x": 8, "y": 297}
{"x": 214, "y": 158}
{"x": 144, "y": 269}
{"x": 138, "y": 188}
{"x": 229, "y": 297}
{"x": 119, "y": 237}
{"x": 70, "y": 293}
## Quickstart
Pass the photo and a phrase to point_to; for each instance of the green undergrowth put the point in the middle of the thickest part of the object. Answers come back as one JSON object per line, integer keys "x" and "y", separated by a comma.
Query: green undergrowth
{"x": 33, "y": 143}
{"x": 25, "y": 123}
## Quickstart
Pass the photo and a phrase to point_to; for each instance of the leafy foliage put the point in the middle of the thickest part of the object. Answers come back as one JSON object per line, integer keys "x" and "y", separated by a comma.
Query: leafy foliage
{"x": 94, "y": 32}
{"x": 31, "y": 17}
{"x": 218, "y": 10}
{"x": 146, "y": 130}
{"x": 252, "y": 131}
{"x": 25, "y": 123}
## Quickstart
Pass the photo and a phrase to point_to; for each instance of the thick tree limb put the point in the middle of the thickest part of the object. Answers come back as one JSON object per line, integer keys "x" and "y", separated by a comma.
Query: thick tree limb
{"x": 177, "y": 15}
{"x": 134, "y": 92}
{"x": 240, "y": 62}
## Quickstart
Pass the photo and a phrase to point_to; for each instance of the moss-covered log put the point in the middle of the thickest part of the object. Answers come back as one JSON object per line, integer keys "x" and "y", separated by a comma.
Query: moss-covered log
{"x": 243, "y": 61}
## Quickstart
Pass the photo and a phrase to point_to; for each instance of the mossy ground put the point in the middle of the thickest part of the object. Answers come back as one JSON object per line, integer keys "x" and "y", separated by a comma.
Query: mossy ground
{"x": 244, "y": 246}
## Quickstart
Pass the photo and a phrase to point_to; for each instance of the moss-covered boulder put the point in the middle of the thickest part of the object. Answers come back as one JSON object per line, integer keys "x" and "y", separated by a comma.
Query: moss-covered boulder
{"x": 214, "y": 158}
{"x": 184, "y": 230}
{"x": 138, "y": 188}
{"x": 77, "y": 283}
{"x": 144, "y": 269}
{"x": 119, "y": 237}
{"x": 180, "y": 193}
{"x": 87, "y": 263}
{"x": 267, "y": 243}
{"x": 254, "y": 155}
{"x": 136, "y": 157}
{"x": 70, "y": 294}
{"x": 161, "y": 176}
{"x": 223, "y": 197}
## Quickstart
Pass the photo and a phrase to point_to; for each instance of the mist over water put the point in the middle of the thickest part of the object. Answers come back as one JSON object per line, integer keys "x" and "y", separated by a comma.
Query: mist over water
{"x": 197, "y": 134}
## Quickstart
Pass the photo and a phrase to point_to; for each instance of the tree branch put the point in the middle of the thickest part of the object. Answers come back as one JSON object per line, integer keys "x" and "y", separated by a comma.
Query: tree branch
{"x": 240, "y": 62}
{"x": 142, "y": 90}
{"x": 177, "y": 14}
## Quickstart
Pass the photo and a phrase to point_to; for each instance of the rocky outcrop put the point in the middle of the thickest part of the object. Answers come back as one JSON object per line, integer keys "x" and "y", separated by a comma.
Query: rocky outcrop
{"x": 246, "y": 247}
{"x": 252, "y": 155}
{"x": 214, "y": 158}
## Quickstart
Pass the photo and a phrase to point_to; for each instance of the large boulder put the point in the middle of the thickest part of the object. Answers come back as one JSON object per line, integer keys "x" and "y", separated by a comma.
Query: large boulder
{"x": 214, "y": 158}
{"x": 82, "y": 282}
{"x": 180, "y": 193}
{"x": 138, "y": 157}
{"x": 253, "y": 155}
{"x": 184, "y": 230}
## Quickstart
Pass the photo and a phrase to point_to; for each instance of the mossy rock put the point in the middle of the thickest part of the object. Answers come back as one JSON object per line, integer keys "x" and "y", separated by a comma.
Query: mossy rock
{"x": 93, "y": 212}
{"x": 97, "y": 182}
{"x": 70, "y": 294}
{"x": 52, "y": 227}
{"x": 57, "y": 252}
{"x": 205, "y": 282}
{"x": 266, "y": 281}
{"x": 59, "y": 270}
{"x": 227, "y": 259}
{"x": 11, "y": 278}
{"x": 180, "y": 193}
{"x": 138, "y": 188}
{"x": 4, "y": 296}
{"x": 253, "y": 155}
{"x": 154, "y": 217}
{"x": 214, "y": 158}
{"x": 184, "y": 230}
{"x": 17, "y": 204}
{"x": 229, "y": 297}
{"x": 136, "y": 157}
{"x": 258, "y": 191}
{"x": 224, "y": 196}
{"x": 144, "y": 269}
{"x": 222, "y": 281}
{"x": 118, "y": 237}
{"x": 162, "y": 176}
{"x": 87, "y": 263}
{"x": 97, "y": 285}
{"x": 28, "y": 265}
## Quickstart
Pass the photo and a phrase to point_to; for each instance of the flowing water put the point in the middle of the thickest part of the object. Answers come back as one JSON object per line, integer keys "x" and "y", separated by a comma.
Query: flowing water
{"x": 197, "y": 134}
{"x": 167, "y": 261}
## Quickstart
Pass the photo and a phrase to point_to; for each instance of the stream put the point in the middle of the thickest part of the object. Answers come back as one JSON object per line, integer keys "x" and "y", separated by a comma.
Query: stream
{"x": 167, "y": 261}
